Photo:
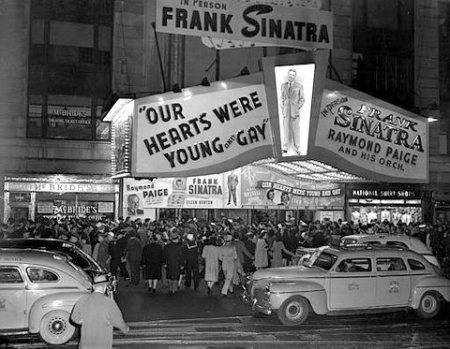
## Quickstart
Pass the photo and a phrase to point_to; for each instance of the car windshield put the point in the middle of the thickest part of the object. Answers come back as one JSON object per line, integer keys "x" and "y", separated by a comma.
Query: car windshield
{"x": 82, "y": 272}
{"x": 81, "y": 259}
{"x": 322, "y": 259}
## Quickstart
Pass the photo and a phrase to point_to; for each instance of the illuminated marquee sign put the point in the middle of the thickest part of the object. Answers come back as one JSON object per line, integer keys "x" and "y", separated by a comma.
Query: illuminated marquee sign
{"x": 368, "y": 137}
{"x": 202, "y": 130}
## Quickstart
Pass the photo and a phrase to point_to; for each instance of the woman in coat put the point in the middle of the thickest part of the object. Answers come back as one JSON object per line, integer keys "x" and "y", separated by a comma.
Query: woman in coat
{"x": 261, "y": 259}
{"x": 211, "y": 255}
{"x": 173, "y": 257}
{"x": 277, "y": 251}
{"x": 152, "y": 261}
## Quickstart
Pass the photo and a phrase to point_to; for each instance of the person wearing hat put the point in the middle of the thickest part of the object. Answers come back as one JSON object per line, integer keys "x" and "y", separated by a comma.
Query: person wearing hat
{"x": 98, "y": 314}
{"x": 228, "y": 256}
{"x": 173, "y": 258}
{"x": 190, "y": 256}
{"x": 152, "y": 260}
{"x": 133, "y": 257}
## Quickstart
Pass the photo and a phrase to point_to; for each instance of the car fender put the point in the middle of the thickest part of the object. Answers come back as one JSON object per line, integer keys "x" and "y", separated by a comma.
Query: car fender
{"x": 56, "y": 301}
{"x": 314, "y": 292}
{"x": 433, "y": 283}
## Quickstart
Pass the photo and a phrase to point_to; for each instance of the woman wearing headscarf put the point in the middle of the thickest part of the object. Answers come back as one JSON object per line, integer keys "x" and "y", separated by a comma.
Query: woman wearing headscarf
{"x": 211, "y": 254}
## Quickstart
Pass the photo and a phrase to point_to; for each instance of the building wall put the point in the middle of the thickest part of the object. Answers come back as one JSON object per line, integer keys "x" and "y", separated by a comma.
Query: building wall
{"x": 427, "y": 96}
{"x": 20, "y": 155}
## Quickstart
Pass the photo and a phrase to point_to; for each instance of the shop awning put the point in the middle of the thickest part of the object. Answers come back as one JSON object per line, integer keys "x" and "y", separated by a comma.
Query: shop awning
{"x": 310, "y": 170}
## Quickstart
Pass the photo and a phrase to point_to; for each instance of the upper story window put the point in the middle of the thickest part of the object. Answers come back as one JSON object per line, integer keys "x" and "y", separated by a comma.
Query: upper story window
{"x": 70, "y": 60}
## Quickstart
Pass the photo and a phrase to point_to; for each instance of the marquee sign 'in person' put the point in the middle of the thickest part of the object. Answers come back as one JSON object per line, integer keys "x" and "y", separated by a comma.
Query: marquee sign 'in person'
{"x": 201, "y": 134}
{"x": 373, "y": 135}
{"x": 259, "y": 23}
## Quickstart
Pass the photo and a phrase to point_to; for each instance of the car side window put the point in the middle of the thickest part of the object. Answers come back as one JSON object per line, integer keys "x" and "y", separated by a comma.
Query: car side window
{"x": 41, "y": 275}
{"x": 397, "y": 244}
{"x": 353, "y": 265}
{"x": 390, "y": 264}
{"x": 10, "y": 275}
{"x": 415, "y": 264}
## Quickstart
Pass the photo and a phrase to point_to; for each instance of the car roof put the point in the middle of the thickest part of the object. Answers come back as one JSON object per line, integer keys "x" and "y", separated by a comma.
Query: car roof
{"x": 34, "y": 242}
{"x": 412, "y": 242}
{"x": 369, "y": 251}
{"x": 36, "y": 257}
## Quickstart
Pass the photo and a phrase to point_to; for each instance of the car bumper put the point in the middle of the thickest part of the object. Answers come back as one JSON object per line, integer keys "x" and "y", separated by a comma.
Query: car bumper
{"x": 257, "y": 304}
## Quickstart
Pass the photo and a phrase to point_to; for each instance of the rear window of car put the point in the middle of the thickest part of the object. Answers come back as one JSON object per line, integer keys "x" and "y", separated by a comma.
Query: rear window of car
{"x": 10, "y": 275}
{"x": 325, "y": 260}
{"x": 390, "y": 264}
{"x": 415, "y": 264}
{"x": 37, "y": 275}
{"x": 350, "y": 241}
{"x": 354, "y": 265}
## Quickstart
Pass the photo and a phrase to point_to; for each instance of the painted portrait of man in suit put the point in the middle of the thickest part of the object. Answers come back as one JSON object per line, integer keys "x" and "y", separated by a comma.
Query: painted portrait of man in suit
{"x": 292, "y": 100}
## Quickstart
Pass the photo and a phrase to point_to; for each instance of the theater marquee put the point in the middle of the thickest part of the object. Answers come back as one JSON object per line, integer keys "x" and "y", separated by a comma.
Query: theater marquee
{"x": 365, "y": 136}
{"x": 203, "y": 130}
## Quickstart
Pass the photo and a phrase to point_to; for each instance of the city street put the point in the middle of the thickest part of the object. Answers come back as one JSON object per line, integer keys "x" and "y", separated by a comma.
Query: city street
{"x": 195, "y": 320}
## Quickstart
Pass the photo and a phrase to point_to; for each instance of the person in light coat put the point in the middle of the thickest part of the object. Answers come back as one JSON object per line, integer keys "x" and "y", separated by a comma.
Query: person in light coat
{"x": 261, "y": 259}
{"x": 97, "y": 314}
{"x": 211, "y": 254}
{"x": 228, "y": 256}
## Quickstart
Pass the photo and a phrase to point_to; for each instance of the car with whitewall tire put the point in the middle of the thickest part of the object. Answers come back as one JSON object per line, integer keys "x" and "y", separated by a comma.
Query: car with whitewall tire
{"x": 38, "y": 290}
{"x": 354, "y": 280}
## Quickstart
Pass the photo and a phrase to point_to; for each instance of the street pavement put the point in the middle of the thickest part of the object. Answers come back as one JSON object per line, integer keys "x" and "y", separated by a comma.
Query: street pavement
{"x": 192, "y": 319}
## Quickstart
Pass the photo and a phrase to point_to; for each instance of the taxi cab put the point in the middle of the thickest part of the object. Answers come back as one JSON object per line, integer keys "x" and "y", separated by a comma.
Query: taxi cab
{"x": 38, "y": 290}
{"x": 334, "y": 281}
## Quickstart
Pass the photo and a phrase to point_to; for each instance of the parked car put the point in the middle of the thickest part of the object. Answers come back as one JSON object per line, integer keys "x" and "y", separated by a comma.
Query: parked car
{"x": 75, "y": 254}
{"x": 404, "y": 241}
{"x": 344, "y": 280}
{"x": 38, "y": 290}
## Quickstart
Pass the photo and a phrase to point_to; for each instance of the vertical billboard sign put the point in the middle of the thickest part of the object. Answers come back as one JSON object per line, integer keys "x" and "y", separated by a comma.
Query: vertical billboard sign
{"x": 294, "y": 86}
{"x": 365, "y": 136}
{"x": 121, "y": 117}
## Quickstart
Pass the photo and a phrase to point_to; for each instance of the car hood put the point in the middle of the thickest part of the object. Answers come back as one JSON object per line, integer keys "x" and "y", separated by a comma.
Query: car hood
{"x": 292, "y": 272}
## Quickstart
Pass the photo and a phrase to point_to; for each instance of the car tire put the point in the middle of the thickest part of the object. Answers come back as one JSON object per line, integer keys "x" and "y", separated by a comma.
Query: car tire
{"x": 55, "y": 327}
{"x": 294, "y": 311}
{"x": 429, "y": 305}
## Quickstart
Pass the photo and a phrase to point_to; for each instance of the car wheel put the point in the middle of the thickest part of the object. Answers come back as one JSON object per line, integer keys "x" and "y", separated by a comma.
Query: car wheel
{"x": 294, "y": 311}
{"x": 429, "y": 305}
{"x": 56, "y": 328}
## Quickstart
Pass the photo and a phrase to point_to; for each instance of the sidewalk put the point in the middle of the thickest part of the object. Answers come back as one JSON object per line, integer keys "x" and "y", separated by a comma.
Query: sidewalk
{"x": 138, "y": 304}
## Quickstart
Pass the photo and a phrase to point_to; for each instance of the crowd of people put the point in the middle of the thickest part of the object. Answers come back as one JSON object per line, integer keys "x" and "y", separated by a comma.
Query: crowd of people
{"x": 177, "y": 253}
